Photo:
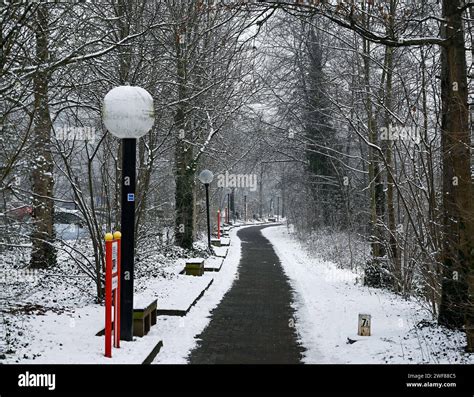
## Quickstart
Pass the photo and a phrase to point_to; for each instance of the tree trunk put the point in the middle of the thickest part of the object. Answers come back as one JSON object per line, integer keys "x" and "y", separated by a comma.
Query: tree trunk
{"x": 458, "y": 243}
{"x": 433, "y": 274}
{"x": 392, "y": 227}
{"x": 43, "y": 252}
{"x": 184, "y": 196}
{"x": 376, "y": 185}
{"x": 393, "y": 243}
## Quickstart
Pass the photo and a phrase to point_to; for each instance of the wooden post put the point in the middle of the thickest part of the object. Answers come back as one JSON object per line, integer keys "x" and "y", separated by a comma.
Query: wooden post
{"x": 364, "y": 324}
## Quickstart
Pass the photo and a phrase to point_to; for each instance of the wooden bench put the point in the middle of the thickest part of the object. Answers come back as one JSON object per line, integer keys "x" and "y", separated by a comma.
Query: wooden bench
{"x": 225, "y": 242}
{"x": 221, "y": 252}
{"x": 144, "y": 317}
{"x": 194, "y": 267}
{"x": 213, "y": 264}
{"x": 216, "y": 242}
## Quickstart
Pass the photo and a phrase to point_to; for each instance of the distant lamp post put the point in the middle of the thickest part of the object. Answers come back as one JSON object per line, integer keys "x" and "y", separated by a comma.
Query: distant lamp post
{"x": 278, "y": 209}
{"x": 245, "y": 209}
{"x": 206, "y": 178}
{"x": 227, "y": 218}
{"x": 128, "y": 114}
{"x": 232, "y": 204}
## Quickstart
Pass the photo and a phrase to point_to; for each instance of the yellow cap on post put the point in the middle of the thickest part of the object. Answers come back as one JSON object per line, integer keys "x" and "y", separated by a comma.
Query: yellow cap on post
{"x": 109, "y": 236}
{"x": 117, "y": 235}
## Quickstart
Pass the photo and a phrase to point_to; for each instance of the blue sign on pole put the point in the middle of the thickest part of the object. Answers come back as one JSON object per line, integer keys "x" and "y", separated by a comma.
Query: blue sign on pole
{"x": 130, "y": 197}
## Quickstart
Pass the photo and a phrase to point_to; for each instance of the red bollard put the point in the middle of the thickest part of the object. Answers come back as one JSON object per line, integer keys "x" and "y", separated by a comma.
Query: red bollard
{"x": 112, "y": 291}
{"x": 117, "y": 238}
{"x": 108, "y": 294}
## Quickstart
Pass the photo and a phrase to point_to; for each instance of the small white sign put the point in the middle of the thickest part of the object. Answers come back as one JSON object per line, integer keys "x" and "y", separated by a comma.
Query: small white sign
{"x": 114, "y": 282}
{"x": 114, "y": 250}
{"x": 114, "y": 256}
{"x": 364, "y": 324}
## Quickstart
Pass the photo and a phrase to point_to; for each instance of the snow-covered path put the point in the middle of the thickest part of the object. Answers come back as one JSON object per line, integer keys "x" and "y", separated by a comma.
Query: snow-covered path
{"x": 328, "y": 301}
{"x": 251, "y": 323}
{"x": 179, "y": 332}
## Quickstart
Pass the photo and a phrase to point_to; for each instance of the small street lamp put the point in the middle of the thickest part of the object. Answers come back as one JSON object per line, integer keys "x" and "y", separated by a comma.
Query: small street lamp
{"x": 227, "y": 218}
{"x": 128, "y": 113}
{"x": 245, "y": 208}
{"x": 206, "y": 178}
{"x": 278, "y": 209}
{"x": 232, "y": 204}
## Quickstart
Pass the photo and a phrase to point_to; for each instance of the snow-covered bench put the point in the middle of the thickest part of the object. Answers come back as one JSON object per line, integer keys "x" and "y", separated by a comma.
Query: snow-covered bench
{"x": 194, "y": 267}
{"x": 144, "y": 315}
{"x": 216, "y": 242}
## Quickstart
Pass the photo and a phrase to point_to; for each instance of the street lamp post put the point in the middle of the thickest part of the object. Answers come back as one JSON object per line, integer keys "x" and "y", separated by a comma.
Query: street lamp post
{"x": 228, "y": 209}
{"x": 278, "y": 209}
{"x": 206, "y": 178}
{"x": 128, "y": 114}
{"x": 232, "y": 203}
{"x": 245, "y": 209}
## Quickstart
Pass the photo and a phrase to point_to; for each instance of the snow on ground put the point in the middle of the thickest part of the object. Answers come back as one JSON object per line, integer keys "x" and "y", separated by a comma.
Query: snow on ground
{"x": 177, "y": 293}
{"x": 53, "y": 317}
{"x": 327, "y": 303}
{"x": 220, "y": 251}
{"x": 214, "y": 263}
{"x": 180, "y": 333}
{"x": 69, "y": 338}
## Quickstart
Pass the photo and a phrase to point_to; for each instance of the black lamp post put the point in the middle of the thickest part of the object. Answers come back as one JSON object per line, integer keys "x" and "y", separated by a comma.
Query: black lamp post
{"x": 206, "y": 178}
{"x": 128, "y": 114}
{"x": 278, "y": 209}
{"x": 245, "y": 209}
{"x": 228, "y": 208}
{"x": 232, "y": 204}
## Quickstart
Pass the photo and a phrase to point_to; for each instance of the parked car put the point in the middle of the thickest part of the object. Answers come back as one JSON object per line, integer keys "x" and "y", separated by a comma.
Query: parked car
{"x": 69, "y": 225}
{"x": 19, "y": 212}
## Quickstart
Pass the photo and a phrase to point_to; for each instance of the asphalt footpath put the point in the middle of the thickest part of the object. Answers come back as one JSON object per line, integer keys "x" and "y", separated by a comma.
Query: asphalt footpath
{"x": 254, "y": 322}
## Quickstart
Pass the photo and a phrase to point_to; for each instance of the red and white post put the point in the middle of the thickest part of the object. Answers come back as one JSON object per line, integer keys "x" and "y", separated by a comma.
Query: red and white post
{"x": 112, "y": 291}
{"x": 116, "y": 277}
